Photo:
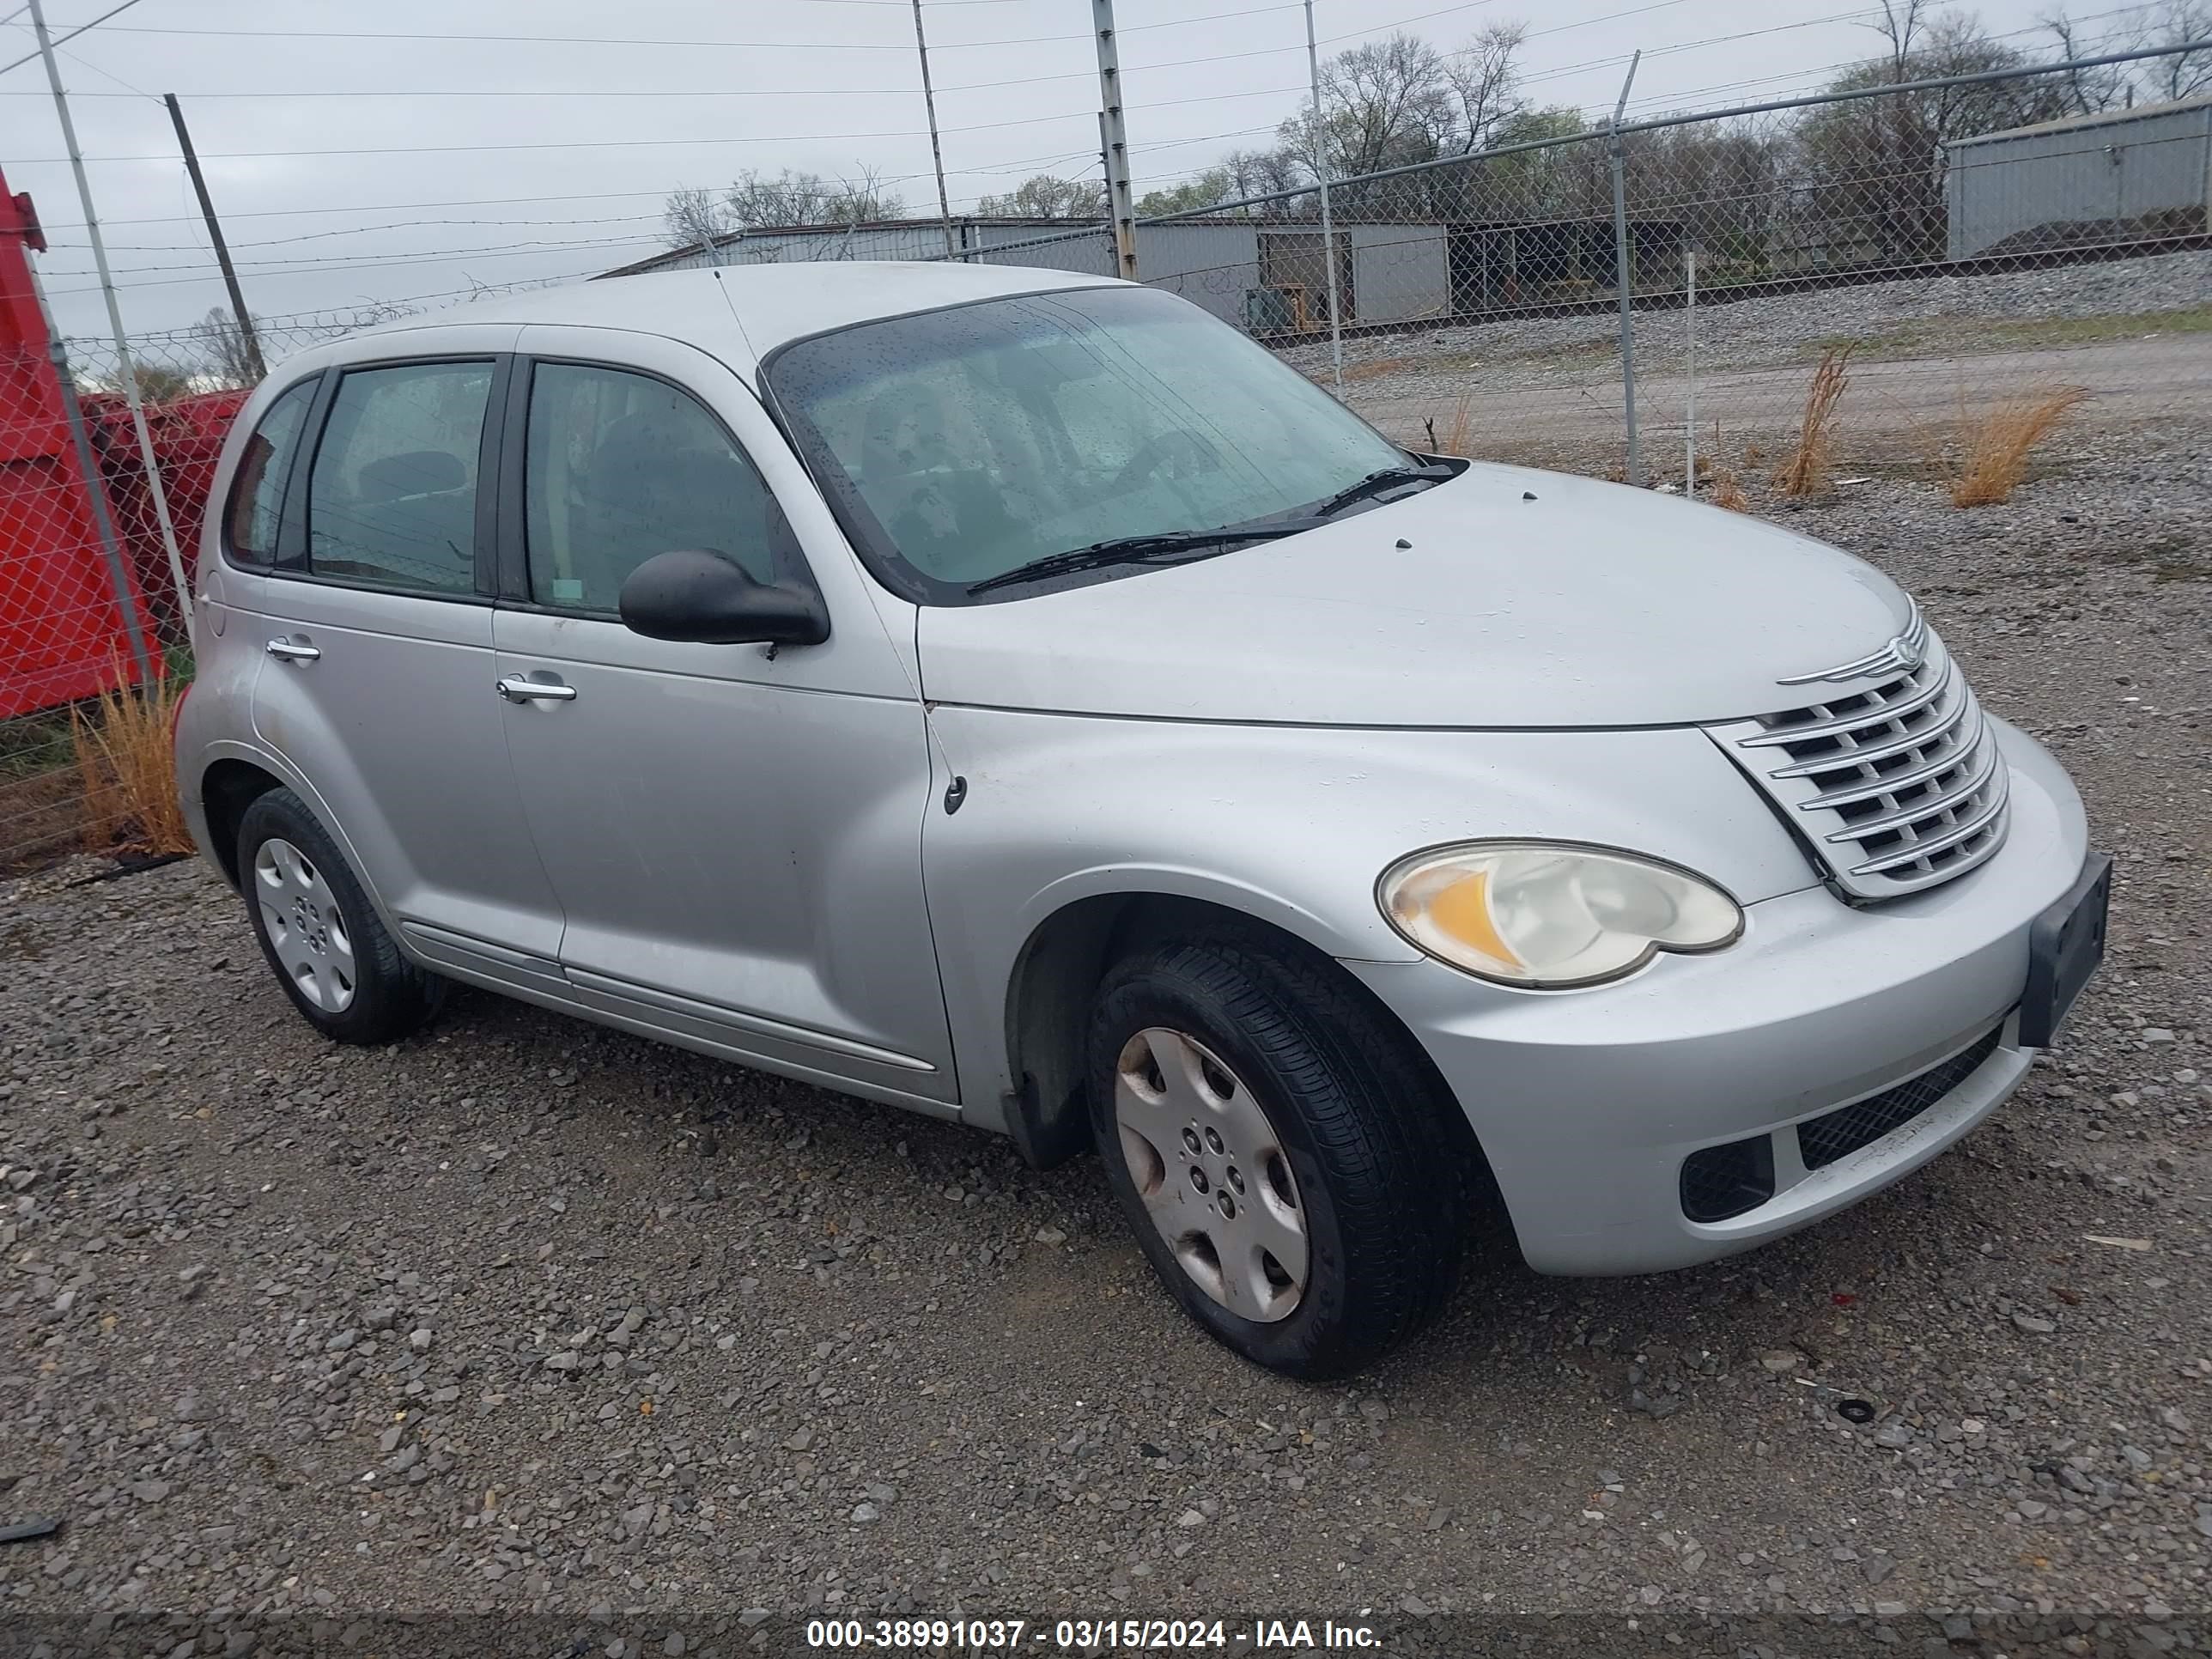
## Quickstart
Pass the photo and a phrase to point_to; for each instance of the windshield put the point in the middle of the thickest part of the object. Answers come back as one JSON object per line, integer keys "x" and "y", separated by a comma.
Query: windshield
{"x": 958, "y": 444}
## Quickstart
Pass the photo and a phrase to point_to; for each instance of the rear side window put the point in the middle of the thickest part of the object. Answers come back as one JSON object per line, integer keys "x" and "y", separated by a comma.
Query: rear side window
{"x": 620, "y": 466}
{"x": 257, "y": 494}
{"x": 392, "y": 499}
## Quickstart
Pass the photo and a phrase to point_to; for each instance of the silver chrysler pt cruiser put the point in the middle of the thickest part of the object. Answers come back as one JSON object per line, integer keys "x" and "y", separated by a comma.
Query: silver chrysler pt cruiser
{"x": 1014, "y": 696}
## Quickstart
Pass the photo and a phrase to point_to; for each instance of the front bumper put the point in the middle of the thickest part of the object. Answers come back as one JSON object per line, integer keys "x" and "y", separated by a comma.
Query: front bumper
{"x": 1587, "y": 1103}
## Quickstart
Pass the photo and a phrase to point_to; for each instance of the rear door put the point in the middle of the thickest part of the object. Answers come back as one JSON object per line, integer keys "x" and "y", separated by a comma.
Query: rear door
{"x": 378, "y": 686}
{"x": 734, "y": 832}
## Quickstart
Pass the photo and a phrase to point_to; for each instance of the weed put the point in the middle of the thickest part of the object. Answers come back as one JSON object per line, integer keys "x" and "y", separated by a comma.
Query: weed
{"x": 1375, "y": 367}
{"x": 1727, "y": 491}
{"x": 1804, "y": 470}
{"x": 1459, "y": 429}
{"x": 126, "y": 768}
{"x": 1993, "y": 450}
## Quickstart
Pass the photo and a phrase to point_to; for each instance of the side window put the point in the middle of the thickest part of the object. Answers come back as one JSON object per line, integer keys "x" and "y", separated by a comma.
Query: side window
{"x": 256, "y": 493}
{"x": 620, "y": 466}
{"x": 392, "y": 499}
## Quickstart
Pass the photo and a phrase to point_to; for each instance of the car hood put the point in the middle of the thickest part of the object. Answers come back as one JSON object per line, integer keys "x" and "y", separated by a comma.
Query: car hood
{"x": 1505, "y": 597}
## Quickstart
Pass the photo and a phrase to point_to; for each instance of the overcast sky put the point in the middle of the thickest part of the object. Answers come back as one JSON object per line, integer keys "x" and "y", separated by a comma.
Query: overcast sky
{"x": 361, "y": 153}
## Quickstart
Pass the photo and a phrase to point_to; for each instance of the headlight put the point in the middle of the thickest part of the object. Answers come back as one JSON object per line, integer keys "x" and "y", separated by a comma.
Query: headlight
{"x": 1548, "y": 914}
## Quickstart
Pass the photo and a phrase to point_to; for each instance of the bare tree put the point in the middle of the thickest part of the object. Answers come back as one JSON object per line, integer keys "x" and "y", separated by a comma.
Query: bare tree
{"x": 1485, "y": 83}
{"x": 2188, "y": 73}
{"x": 756, "y": 201}
{"x": 1384, "y": 103}
{"x": 224, "y": 346}
{"x": 2168, "y": 24}
{"x": 2089, "y": 91}
{"x": 1046, "y": 197}
{"x": 1871, "y": 170}
{"x": 1900, "y": 24}
{"x": 694, "y": 217}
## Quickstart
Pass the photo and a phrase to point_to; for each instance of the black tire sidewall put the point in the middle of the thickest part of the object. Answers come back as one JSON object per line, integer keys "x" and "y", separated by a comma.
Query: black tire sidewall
{"x": 1323, "y": 1336}
{"x": 391, "y": 996}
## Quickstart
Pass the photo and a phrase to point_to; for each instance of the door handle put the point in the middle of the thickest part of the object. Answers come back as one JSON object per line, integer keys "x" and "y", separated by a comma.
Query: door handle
{"x": 517, "y": 688}
{"x": 292, "y": 651}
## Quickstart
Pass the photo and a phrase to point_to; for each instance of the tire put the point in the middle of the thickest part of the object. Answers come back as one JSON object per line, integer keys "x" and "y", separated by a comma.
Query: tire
{"x": 1352, "y": 1143}
{"x": 320, "y": 935}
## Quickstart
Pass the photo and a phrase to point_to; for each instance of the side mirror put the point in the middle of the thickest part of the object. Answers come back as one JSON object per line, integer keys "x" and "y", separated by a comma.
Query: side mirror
{"x": 707, "y": 599}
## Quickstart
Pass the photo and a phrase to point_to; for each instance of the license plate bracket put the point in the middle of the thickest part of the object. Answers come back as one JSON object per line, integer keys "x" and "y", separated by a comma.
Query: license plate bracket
{"x": 2064, "y": 947}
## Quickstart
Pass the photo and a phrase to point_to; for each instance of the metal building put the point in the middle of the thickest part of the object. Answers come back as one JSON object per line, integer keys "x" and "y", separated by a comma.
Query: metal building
{"x": 2125, "y": 176}
{"x": 1268, "y": 276}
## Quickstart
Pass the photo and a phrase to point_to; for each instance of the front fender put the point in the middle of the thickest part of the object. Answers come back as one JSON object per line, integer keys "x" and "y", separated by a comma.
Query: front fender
{"x": 1289, "y": 824}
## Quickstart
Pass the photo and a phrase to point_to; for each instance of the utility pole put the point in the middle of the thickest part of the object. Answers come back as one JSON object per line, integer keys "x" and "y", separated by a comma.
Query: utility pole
{"x": 936, "y": 152}
{"x": 1327, "y": 228}
{"x": 124, "y": 362}
{"x": 214, "y": 234}
{"x": 1620, "y": 264}
{"x": 1114, "y": 139}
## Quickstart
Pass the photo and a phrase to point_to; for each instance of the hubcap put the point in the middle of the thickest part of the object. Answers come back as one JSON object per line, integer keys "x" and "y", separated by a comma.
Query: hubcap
{"x": 1212, "y": 1174}
{"x": 305, "y": 927}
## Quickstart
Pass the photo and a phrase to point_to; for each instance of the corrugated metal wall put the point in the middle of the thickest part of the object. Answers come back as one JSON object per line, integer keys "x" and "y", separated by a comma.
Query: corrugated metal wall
{"x": 1398, "y": 273}
{"x": 1212, "y": 266}
{"x": 2119, "y": 170}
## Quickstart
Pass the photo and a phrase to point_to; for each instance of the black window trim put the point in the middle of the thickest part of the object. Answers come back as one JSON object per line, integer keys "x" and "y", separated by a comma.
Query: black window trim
{"x": 292, "y": 562}
{"x": 231, "y": 556}
{"x": 512, "y": 584}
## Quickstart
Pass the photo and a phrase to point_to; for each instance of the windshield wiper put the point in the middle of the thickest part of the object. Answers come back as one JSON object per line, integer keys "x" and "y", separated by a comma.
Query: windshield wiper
{"x": 1374, "y": 484}
{"x": 1136, "y": 549}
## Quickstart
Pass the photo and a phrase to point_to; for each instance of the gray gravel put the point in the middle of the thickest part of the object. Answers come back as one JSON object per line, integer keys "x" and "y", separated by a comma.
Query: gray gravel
{"x": 1922, "y": 313}
{"x": 531, "y": 1317}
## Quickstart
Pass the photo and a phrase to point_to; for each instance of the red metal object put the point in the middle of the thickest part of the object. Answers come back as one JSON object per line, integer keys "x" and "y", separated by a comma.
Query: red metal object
{"x": 188, "y": 435}
{"x": 65, "y": 630}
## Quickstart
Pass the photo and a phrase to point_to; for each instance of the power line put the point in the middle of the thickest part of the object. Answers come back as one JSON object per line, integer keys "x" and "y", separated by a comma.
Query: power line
{"x": 64, "y": 39}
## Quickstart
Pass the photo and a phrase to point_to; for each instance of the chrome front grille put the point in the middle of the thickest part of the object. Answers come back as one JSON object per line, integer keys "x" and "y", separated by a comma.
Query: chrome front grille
{"x": 1898, "y": 785}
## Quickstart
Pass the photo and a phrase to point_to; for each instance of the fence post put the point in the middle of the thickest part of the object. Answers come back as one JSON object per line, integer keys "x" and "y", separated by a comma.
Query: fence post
{"x": 1690, "y": 374}
{"x": 1620, "y": 279}
{"x": 87, "y": 463}
{"x": 1328, "y": 227}
{"x": 1115, "y": 134}
{"x": 123, "y": 360}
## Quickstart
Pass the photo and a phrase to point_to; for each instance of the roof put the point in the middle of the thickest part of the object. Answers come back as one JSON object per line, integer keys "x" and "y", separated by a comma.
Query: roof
{"x": 738, "y": 313}
{"x": 840, "y": 228}
{"x": 2070, "y": 122}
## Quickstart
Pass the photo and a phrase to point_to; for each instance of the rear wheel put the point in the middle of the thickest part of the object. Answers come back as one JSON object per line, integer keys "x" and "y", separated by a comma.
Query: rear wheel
{"x": 318, "y": 933}
{"x": 1284, "y": 1163}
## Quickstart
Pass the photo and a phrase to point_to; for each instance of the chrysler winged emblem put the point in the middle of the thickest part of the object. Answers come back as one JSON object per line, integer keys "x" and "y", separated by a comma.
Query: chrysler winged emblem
{"x": 1901, "y": 655}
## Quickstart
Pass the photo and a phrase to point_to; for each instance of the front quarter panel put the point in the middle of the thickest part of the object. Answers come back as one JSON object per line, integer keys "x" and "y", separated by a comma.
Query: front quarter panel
{"x": 1291, "y": 825}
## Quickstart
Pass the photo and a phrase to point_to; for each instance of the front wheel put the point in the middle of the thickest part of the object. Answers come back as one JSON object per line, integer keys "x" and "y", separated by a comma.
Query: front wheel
{"x": 1283, "y": 1160}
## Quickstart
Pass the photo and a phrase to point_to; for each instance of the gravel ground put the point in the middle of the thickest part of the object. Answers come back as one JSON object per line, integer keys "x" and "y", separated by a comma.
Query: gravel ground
{"x": 634, "y": 1350}
{"x": 1755, "y": 333}
{"x": 1926, "y": 355}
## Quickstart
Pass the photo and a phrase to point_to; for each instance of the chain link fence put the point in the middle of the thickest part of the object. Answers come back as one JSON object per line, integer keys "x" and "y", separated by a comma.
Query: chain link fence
{"x": 1944, "y": 238}
{"x": 1605, "y": 299}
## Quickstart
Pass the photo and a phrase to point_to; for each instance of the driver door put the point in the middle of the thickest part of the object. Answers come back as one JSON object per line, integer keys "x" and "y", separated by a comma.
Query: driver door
{"x": 734, "y": 832}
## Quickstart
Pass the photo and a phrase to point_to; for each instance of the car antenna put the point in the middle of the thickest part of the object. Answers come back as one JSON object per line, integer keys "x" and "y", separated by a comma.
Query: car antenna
{"x": 738, "y": 317}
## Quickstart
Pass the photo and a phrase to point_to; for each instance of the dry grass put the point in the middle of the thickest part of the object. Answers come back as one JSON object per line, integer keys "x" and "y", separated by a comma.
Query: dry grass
{"x": 1993, "y": 451}
{"x": 1804, "y": 470}
{"x": 1459, "y": 430}
{"x": 1727, "y": 491}
{"x": 1754, "y": 455}
{"x": 127, "y": 771}
{"x": 1375, "y": 367}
